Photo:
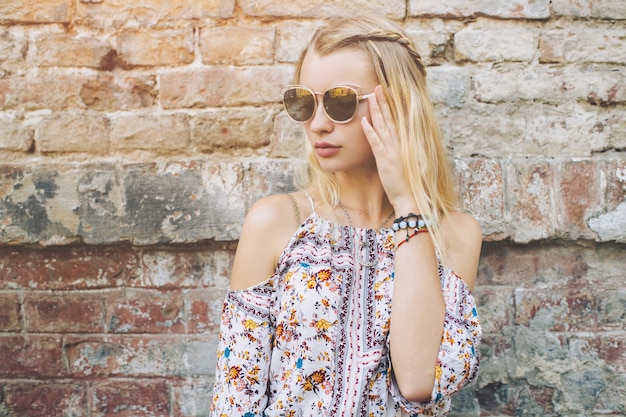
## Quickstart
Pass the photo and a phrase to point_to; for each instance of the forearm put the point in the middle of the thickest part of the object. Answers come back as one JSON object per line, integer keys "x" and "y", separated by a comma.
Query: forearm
{"x": 417, "y": 316}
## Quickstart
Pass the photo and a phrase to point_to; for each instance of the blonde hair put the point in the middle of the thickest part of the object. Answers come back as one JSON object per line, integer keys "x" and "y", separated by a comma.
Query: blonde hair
{"x": 402, "y": 75}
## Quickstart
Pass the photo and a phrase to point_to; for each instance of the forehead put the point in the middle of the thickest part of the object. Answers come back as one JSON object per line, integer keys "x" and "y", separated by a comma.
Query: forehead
{"x": 351, "y": 66}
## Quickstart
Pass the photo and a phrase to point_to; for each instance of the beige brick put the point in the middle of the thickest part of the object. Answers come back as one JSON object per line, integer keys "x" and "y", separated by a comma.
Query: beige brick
{"x": 162, "y": 48}
{"x": 481, "y": 188}
{"x": 601, "y": 9}
{"x": 322, "y": 8}
{"x": 522, "y": 9}
{"x": 62, "y": 50}
{"x": 231, "y": 129}
{"x": 292, "y": 38}
{"x": 579, "y": 196}
{"x": 495, "y": 45}
{"x": 583, "y": 44}
{"x": 530, "y": 204}
{"x": 35, "y": 11}
{"x": 119, "y": 91}
{"x": 13, "y": 47}
{"x": 74, "y": 132}
{"x": 161, "y": 133}
{"x": 116, "y": 14}
{"x": 14, "y": 135}
{"x": 222, "y": 86}
{"x": 244, "y": 45}
{"x": 288, "y": 139}
{"x": 54, "y": 90}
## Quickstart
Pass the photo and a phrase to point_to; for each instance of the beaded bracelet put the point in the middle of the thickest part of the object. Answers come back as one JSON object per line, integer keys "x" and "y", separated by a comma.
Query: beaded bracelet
{"x": 410, "y": 221}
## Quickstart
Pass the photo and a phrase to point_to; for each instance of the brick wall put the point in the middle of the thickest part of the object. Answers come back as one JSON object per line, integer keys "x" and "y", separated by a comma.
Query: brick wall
{"x": 134, "y": 135}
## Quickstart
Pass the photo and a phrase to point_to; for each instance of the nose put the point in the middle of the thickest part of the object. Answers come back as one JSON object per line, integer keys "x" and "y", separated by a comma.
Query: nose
{"x": 320, "y": 121}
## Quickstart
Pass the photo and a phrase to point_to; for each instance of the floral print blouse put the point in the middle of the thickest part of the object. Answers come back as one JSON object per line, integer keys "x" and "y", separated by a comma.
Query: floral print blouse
{"x": 313, "y": 339}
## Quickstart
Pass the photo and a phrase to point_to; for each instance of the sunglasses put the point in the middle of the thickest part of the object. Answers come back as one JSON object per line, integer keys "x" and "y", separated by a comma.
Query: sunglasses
{"x": 339, "y": 101}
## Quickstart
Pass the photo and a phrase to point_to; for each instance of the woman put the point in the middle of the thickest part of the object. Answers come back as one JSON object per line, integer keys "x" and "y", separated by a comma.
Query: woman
{"x": 334, "y": 307}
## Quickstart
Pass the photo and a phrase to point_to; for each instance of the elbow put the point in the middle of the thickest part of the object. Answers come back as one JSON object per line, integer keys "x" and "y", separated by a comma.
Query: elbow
{"x": 417, "y": 390}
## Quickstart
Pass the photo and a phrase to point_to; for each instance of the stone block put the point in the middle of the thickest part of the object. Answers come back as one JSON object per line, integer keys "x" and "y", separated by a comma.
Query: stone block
{"x": 222, "y": 86}
{"x": 322, "y": 8}
{"x": 36, "y": 11}
{"x": 245, "y": 46}
{"x": 519, "y": 9}
{"x": 64, "y": 50}
{"x": 167, "y": 48}
{"x": 481, "y": 45}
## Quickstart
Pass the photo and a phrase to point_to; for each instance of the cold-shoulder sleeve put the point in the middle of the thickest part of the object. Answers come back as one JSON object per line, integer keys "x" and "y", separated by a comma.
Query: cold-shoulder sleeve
{"x": 243, "y": 356}
{"x": 458, "y": 359}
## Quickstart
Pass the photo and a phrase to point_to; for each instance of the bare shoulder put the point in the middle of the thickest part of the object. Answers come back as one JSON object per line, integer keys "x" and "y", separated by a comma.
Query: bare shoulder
{"x": 266, "y": 230}
{"x": 464, "y": 241}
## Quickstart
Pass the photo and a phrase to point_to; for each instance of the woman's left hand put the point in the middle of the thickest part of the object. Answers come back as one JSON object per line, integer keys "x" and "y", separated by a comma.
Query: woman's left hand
{"x": 383, "y": 138}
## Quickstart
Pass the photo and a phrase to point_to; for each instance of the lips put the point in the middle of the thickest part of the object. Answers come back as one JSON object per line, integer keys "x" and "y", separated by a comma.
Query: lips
{"x": 326, "y": 149}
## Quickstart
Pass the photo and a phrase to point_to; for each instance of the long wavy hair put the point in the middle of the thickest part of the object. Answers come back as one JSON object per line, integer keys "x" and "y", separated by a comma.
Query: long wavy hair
{"x": 402, "y": 75}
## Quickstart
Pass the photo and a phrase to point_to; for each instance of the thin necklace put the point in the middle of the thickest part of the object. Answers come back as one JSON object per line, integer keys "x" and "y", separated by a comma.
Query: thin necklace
{"x": 357, "y": 254}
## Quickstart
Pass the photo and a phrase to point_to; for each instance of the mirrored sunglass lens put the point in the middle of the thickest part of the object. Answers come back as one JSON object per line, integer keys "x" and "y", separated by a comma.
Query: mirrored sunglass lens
{"x": 299, "y": 103}
{"x": 340, "y": 103}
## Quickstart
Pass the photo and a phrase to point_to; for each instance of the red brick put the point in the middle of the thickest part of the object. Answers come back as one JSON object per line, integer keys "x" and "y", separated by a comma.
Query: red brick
{"x": 64, "y": 312}
{"x": 580, "y": 195}
{"x": 45, "y": 399}
{"x": 145, "y": 311}
{"x": 205, "y": 310}
{"x": 66, "y": 267}
{"x": 34, "y": 356}
{"x": 130, "y": 399}
{"x": 10, "y": 315}
{"x": 138, "y": 356}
